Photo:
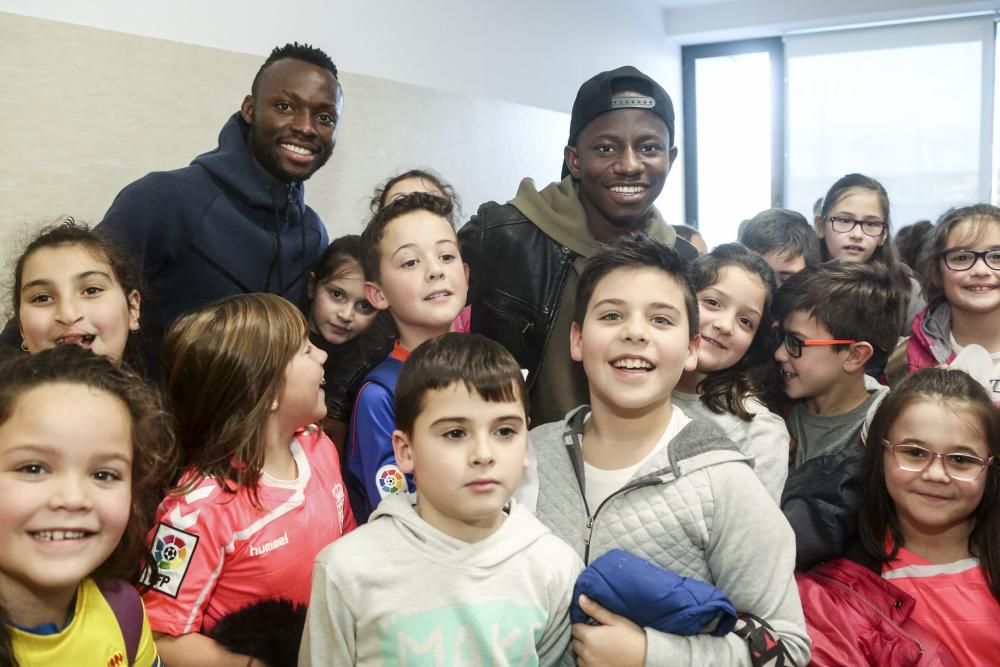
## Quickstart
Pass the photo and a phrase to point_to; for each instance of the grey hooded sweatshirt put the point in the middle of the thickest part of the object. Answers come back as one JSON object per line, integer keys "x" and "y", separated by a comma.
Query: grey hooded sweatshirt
{"x": 397, "y": 591}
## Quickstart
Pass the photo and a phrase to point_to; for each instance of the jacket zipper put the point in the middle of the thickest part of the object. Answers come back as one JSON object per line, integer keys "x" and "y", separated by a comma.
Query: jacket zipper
{"x": 552, "y": 322}
{"x": 637, "y": 484}
{"x": 873, "y": 608}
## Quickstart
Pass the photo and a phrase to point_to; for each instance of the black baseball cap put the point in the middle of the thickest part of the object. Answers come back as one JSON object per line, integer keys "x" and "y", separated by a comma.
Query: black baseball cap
{"x": 596, "y": 96}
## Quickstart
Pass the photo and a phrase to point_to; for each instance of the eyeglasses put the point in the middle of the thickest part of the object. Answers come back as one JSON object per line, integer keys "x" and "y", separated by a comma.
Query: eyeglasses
{"x": 794, "y": 344}
{"x": 844, "y": 225}
{"x": 963, "y": 259}
{"x": 959, "y": 466}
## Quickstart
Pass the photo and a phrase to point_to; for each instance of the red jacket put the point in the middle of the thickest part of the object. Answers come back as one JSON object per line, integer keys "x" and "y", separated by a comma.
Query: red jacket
{"x": 928, "y": 345}
{"x": 854, "y": 617}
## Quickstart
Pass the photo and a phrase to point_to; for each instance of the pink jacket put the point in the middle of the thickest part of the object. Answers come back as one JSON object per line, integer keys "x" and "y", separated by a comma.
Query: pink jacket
{"x": 854, "y": 617}
{"x": 928, "y": 345}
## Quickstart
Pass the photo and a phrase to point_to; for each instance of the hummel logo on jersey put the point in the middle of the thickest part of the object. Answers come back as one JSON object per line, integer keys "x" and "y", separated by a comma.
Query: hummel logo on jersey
{"x": 269, "y": 546}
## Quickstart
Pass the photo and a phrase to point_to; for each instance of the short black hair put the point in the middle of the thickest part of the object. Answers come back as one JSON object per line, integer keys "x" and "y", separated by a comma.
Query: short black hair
{"x": 635, "y": 251}
{"x": 484, "y": 366}
{"x": 782, "y": 230}
{"x": 296, "y": 51}
{"x": 852, "y": 300}
{"x": 375, "y": 229}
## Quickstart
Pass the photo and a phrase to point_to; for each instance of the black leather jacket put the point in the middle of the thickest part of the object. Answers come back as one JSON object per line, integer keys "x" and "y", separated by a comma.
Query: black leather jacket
{"x": 517, "y": 274}
{"x": 516, "y": 278}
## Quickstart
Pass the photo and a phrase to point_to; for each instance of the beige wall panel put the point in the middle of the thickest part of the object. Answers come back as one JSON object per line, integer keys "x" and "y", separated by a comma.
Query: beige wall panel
{"x": 86, "y": 111}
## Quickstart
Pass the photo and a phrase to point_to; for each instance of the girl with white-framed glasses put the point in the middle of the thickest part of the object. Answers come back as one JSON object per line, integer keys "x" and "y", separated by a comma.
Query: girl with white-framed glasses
{"x": 960, "y": 327}
{"x": 922, "y": 583}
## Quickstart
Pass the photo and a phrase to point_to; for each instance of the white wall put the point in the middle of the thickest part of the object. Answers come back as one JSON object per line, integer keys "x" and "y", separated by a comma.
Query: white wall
{"x": 521, "y": 51}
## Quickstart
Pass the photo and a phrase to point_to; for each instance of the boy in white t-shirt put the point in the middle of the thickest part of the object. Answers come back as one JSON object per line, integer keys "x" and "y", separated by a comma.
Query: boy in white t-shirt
{"x": 631, "y": 471}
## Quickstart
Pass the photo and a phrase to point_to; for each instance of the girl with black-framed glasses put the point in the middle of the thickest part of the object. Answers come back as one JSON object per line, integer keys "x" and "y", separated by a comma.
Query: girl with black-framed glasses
{"x": 853, "y": 225}
{"x": 961, "y": 325}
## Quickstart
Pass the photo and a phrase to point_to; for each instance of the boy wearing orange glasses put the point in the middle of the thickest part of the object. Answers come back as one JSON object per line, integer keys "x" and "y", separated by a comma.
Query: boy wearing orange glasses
{"x": 837, "y": 319}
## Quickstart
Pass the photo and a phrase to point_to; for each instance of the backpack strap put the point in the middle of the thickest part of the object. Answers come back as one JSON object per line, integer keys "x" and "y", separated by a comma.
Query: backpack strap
{"x": 127, "y": 608}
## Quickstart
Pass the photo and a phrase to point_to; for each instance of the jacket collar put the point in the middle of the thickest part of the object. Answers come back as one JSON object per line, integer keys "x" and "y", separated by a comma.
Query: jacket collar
{"x": 231, "y": 164}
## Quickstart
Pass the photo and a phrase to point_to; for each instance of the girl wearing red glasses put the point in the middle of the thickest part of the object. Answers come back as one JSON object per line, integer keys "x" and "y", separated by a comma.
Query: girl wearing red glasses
{"x": 922, "y": 585}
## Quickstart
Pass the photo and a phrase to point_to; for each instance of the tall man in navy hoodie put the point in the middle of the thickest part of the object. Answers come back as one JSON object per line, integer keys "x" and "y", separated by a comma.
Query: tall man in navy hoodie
{"x": 234, "y": 220}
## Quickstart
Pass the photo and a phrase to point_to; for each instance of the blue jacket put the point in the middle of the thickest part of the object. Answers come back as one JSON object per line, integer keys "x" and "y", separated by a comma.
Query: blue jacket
{"x": 372, "y": 473}
{"x": 652, "y": 597}
{"x": 217, "y": 227}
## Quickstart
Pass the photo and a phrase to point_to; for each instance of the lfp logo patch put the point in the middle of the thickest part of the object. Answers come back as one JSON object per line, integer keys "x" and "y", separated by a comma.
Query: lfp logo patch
{"x": 172, "y": 551}
{"x": 390, "y": 480}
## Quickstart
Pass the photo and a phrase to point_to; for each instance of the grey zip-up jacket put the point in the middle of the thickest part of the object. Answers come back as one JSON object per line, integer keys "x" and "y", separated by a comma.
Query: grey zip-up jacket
{"x": 696, "y": 509}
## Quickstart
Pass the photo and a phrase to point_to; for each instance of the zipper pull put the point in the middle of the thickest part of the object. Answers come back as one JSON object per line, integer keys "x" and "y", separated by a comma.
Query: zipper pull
{"x": 590, "y": 531}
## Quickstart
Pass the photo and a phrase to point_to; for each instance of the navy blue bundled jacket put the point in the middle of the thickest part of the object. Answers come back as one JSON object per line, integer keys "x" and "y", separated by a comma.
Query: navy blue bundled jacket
{"x": 217, "y": 227}
{"x": 652, "y": 597}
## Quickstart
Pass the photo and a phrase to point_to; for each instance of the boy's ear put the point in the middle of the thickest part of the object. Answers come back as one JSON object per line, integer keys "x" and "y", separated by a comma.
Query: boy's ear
{"x": 857, "y": 356}
{"x": 691, "y": 363}
{"x": 403, "y": 449}
{"x": 134, "y": 299}
{"x": 575, "y": 342}
{"x": 375, "y": 296}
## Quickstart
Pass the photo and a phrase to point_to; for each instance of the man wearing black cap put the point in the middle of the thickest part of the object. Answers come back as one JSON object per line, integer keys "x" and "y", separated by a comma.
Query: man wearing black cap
{"x": 525, "y": 257}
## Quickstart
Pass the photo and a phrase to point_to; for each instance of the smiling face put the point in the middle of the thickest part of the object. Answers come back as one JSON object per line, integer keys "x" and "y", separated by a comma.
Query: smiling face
{"x": 976, "y": 290}
{"x": 69, "y": 295}
{"x": 421, "y": 276}
{"x": 930, "y": 502}
{"x": 858, "y": 204}
{"x": 302, "y": 400}
{"x": 293, "y": 119}
{"x": 65, "y": 481}
{"x": 340, "y": 311}
{"x": 819, "y": 368}
{"x": 634, "y": 343}
{"x": 730, "y": 312}
{"x": 621, "y": 160}
{"x": 467, "y": 455}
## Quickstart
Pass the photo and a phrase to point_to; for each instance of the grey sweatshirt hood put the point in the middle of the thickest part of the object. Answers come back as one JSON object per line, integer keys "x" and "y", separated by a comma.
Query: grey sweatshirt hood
{"x": 516, "y": 534}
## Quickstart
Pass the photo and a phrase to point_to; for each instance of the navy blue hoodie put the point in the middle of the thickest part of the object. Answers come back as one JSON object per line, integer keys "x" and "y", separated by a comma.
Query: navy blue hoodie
{"x": 218, "y": 227}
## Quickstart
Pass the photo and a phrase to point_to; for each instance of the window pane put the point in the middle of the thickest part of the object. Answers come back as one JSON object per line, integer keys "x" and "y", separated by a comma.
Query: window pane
{"x": 908, "y": 116}
{"x": 733, "y": 96}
